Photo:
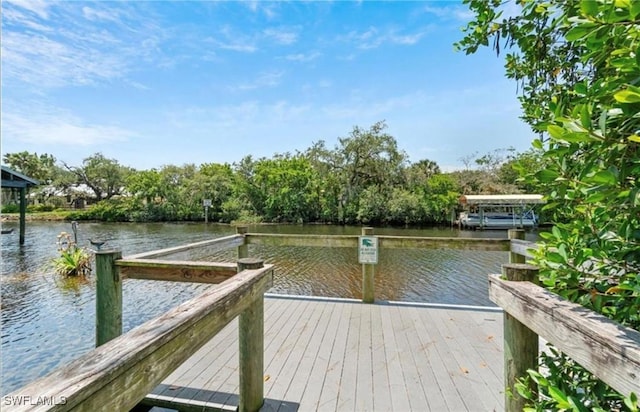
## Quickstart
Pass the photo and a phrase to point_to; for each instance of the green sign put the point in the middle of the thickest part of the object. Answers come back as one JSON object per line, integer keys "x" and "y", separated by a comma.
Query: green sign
{"x": 368, "y": 249}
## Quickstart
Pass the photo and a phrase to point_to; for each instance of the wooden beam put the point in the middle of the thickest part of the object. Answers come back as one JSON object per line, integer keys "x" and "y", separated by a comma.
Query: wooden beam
{"x": 176, "y": 270}
{"x": 243, "y": 248}
{"x": 272, "y": 239}
{"x": 399, "y": 242}
{"x": 389, "y": 242}
{"x": 520, "y": 342}
{"x": 522, "y": 248}
{"x": 515, "y": 234}
{"x": 607, "y": 349}
{"x": 120, "y": 373}
{"x": 251, "y": 348}
{"x": 213, "y": 245}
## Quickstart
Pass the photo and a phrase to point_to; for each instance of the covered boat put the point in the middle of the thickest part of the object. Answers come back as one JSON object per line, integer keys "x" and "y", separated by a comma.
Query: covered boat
{"x": 499, "y": 211}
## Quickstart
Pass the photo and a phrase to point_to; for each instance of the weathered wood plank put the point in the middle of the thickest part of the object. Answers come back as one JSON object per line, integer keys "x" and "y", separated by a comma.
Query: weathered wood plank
{"x": 609, "y": 350}
{"x": 381, "y": 386}
{"x": 117, "y": 375}
{"x": 332, "y": 383}
{"x": 213, "y": 245}
{"x": 176, "y": 270}
{"x": 439, "y": 347}
{"x": 388, "y": 242}
{"x": 320, "y": 365}
{"x": 407, "y": 346}
{"x": 364, "y": 385}
{"x": 398, "y": 242}
{"x": 272, "y": 239}
{"x": 349, "y": 376}
{"x": 397, "y": 387}
{"x": 523, "y": 248}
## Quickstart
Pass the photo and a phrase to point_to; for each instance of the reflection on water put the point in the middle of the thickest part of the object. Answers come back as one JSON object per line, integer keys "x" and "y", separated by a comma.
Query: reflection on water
{"x": 48, "y": 321}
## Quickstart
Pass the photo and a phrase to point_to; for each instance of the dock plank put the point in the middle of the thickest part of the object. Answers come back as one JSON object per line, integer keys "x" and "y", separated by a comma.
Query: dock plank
{"x": 343, "y": 355}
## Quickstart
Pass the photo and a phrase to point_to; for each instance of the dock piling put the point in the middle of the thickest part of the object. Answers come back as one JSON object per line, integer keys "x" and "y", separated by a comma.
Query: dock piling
{"x": 243, "y": 249}
{"x": 368, "y": 274}
{"x": 516, "y": 234}
{"x": 251, "y": 347}
{"x": 520, "y": 342}
{"x": 108, "y": 296}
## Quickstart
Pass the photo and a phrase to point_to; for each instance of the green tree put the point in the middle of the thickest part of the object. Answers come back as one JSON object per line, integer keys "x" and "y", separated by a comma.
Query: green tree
{"x": 40, "y": 167}
{"x": 578, "y": 68}
{"x": 105, "y": 177}
{"x": 286, "y": 182}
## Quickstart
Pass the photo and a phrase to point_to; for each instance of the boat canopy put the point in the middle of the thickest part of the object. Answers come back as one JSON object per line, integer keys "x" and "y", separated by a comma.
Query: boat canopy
{"x": 504, "y": 200}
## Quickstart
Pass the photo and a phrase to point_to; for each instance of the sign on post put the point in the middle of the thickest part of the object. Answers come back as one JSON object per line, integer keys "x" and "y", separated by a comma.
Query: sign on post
{"x": 206, "y": 203}
{"x": 368, "y": 249}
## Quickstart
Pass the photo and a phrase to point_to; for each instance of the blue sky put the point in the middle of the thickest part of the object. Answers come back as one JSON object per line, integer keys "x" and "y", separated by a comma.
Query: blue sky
{"x": 154, "y": 83}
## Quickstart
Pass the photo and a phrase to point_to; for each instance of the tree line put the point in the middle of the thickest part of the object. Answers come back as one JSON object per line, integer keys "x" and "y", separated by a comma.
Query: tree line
{"x": 365, "y": 178}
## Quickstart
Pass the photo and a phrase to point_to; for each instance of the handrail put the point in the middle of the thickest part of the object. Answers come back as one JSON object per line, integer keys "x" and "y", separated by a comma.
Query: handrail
{"x": 120, "y": 373}
{"x": 213, "y": 245}
{"x": 390, "y": 242}
{"x": 523, "y": 247}
{"x": 607, "y": 349}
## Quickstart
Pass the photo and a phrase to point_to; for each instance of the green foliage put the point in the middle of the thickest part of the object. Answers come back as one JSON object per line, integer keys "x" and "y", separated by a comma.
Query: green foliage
{"x": 111, "y": 210}
{"x": 73, "y": 260}
{"x": 578, "y": 68}
{"x": 41, "y": 208}
{"x": 10, "y": 208}
{"x": 568, "y": 386}
{"x": 39, "y": 167}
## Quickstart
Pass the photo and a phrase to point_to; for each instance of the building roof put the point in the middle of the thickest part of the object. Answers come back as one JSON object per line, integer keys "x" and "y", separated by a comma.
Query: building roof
{"x": 519, "y": 199}
{"x": 11, "y": 178}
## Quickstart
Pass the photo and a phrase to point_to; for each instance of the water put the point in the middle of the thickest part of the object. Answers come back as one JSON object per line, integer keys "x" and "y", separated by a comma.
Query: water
{"x": 47, "y": 321}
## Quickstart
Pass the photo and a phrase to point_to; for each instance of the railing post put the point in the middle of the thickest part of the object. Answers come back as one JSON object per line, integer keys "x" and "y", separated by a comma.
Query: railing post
{"x": 516, "y": 234}
{"x": 108, "y": 296}
{"x": 243, "y": 249}
{"x": 368, "y": 274}
{"x": 520, "y": 342}
{"x": 251, "y": 338}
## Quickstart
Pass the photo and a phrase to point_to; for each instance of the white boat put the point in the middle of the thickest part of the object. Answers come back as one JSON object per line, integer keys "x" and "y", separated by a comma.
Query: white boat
{"x": 499, "y": 211}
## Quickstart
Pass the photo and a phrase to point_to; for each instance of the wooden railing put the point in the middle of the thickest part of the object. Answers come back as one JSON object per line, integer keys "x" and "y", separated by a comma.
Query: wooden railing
{"x": 384, "y": 242}
{"x": 123, "y": 369}
{"x": 607, "y": 349}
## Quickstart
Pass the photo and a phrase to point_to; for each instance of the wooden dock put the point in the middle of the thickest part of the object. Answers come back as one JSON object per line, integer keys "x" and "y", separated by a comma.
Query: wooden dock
{"x": 343, "y": 355}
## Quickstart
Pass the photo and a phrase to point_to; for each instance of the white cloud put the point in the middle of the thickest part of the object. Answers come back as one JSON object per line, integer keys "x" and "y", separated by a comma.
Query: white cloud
{"x": 265, "y": 79}
{"x": 50, "y": 126}
{"x": 455, "y": 12}
{"x": 373, "y": 37}
{"x": 281, "y": 35}
{"x": 38, "y": 7}
{"x": 302, "y": 57}
{"x": 71, "y": 50}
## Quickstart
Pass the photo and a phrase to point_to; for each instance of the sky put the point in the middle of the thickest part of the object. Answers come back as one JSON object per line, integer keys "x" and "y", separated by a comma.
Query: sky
{"x": 170, "y": 83}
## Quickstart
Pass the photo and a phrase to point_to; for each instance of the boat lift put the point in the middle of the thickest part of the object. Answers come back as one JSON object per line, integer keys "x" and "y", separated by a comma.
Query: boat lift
{"x": 499, "y": 211}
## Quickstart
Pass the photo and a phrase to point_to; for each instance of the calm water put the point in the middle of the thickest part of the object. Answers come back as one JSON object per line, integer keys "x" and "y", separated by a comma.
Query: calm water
{"x": 48, "y": 321}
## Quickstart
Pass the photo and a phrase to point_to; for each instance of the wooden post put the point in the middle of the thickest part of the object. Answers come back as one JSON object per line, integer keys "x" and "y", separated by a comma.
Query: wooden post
{"x": 516, "y": 234}
{"x": 368, "y": 274}
{"x": 23, "y": 212}
{"x": 251, "y": 339}
{"x": 520, "y": 342}
{"x": 243, "y": 249}
{"x": 108, "y": 296}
